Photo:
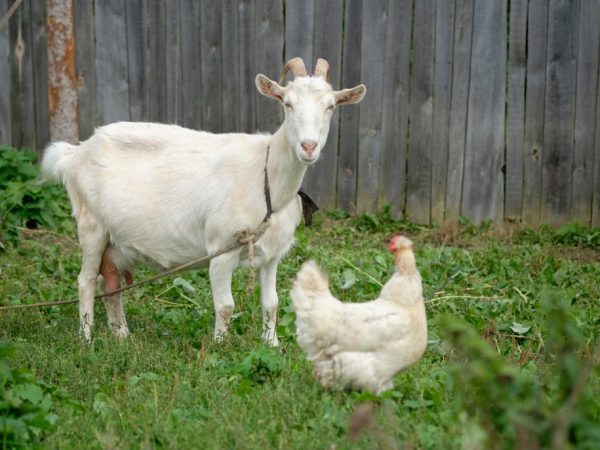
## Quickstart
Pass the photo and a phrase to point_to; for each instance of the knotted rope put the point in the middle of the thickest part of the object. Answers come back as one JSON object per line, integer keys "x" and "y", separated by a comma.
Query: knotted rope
{"x": 243, "y": 237}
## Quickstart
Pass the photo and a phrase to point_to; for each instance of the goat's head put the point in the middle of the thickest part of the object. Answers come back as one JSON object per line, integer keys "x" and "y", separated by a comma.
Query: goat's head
{"x": 308, "y": 103}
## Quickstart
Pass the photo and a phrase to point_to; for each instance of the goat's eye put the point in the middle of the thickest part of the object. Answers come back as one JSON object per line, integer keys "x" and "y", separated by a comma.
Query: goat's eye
{"x": 330, "y": 108}
{"x": 287, "y": 105}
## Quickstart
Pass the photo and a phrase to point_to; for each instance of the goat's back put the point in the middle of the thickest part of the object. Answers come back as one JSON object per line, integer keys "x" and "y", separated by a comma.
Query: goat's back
{"x": 159, "y": 190}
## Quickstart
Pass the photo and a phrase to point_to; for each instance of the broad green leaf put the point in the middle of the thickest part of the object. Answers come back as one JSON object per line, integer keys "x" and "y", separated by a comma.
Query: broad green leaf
{"x": 520, "y": 328}
{"x": 184, "y": 284}
{"x": 30, "y": 392}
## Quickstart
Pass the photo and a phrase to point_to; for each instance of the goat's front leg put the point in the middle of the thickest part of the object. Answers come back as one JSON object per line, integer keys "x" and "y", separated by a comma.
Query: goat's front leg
{"x": 220, "y": 271}
{"x": 269, "y": 301}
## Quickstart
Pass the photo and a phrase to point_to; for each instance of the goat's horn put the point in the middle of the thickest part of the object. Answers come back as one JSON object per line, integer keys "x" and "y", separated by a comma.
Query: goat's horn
{"x": 296, "y": 65}
{"x": 322, "y": 69}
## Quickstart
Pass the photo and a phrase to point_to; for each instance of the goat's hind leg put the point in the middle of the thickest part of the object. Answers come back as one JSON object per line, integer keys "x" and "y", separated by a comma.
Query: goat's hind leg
{"x": 93, "y": 240}
{"x": 110, "y": 281}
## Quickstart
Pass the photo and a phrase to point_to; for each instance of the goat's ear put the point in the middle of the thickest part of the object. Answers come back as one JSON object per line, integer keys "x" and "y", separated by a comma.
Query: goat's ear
{"x": 349, "y": 96}
{"x": 269, "y": 87}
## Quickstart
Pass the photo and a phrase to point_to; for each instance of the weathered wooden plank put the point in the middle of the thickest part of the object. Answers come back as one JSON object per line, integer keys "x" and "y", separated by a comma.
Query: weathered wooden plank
{"x": 463, "y": 31}
{"x": 394, "y": 127}
{"x": 585, "y": 112}
{"x": 22, "y": 78}
{"x": 268, "y": 54}
{"x": 5, "y": 86}
{"x": 85, "y": 60}
{"x": 515, "y": 118}
{"x": 137, "y": 35}
{"x": 40, "y": 73}
{"x": 484, "y": 152}
{"x": 191, "y": 58}
{"x": 112, "y": 87}
{"x": 173, "y": 65}
{"x": 561, "y": 74}
{"x": 247, "y": 62}
{"x": 369, "y": 145}
{"x": 537, "y": 28}
{"x": 299, "y": 31}
{"x": 230, "y": 59}
{"x": 349, "y": 116}
{"x": 596, "y": 178}
{"x": 155, "y": 70}
{"x": 320, "y": 181}
{"x": 418, "y": 181}
{"x": 442, "y": 84}
{"x": 212, "y": 86}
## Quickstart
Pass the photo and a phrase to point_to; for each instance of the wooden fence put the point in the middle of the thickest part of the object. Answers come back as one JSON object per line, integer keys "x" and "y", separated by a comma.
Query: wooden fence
{"x": 486, "y": 109}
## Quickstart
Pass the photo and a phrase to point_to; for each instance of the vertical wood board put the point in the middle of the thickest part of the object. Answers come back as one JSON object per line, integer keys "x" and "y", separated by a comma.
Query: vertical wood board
{"x": 268, "y": 54}
{"x": 5, "y": 86}
{"x": 230, "y": 66}
{"x": 173, "y": 64}
{"x": 40, "y": 75}
{"x": 22, "y": 93}
{"x": 320, "y": 180}
{"x": 484, "y": 152}
{"x": 418, "y": 181}
{"x": 396, "y": 87}
{"x": 112, "y": 86}
{"x": 349, "y": 116}
{"x": 249, "y": 96}
{"x": 372, "y": 70}
{"x": 191, "y": 87}
{"x": 535, "y": 89}
{"x": 212, "y": 86}
{"x": 561, "y": 73}
{"x": 515, "y": 117}
{"x": 442, "y": 86}
{"x": 588, "y": 50}
{"x": 463, "y": 34}
{"x": 299, "y": 31}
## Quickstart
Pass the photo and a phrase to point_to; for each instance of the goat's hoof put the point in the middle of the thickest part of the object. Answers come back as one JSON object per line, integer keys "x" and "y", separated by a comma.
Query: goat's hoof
{"x": 120, "y": 332}
{"x": 270, "y": 339}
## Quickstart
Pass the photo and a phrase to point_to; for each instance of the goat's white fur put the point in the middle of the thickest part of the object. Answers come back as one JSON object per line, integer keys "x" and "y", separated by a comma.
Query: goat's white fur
{"x": 166, "y": 195}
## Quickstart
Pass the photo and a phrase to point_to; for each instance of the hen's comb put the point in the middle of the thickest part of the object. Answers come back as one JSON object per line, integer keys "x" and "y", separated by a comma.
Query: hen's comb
{"x": 399, "y": 242}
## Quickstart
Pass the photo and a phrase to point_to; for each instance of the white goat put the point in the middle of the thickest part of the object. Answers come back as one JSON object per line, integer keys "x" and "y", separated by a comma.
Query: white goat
{"x": 166, "y": 195}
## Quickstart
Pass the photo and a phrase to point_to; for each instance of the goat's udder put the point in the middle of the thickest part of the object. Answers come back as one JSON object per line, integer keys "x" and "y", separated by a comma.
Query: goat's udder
{"x": 111, "y": 274}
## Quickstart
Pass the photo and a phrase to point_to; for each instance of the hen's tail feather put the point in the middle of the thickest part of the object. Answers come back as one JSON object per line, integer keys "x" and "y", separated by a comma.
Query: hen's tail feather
{"x": 57, "y": 159}
{"x": 309, "y": 286}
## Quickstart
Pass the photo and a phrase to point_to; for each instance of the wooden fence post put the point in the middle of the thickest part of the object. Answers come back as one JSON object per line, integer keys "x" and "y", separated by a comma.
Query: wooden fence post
{"x": 62, "y": 77}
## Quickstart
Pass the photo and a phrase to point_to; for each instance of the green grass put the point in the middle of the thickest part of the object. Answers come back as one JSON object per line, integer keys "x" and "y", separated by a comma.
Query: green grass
{"x": 513, "y": 321}
{"x": 170, "y": 386}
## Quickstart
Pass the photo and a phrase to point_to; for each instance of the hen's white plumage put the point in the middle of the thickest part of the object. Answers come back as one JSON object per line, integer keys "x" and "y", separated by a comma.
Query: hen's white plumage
{"x": 362, "y": 345}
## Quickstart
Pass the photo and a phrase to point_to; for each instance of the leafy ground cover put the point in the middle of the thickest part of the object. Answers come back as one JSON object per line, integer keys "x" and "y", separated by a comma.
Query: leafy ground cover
{"x": 513, "y": 325}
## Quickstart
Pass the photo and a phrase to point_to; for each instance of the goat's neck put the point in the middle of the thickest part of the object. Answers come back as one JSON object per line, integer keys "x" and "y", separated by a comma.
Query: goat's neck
{"x": 285, "y": 171}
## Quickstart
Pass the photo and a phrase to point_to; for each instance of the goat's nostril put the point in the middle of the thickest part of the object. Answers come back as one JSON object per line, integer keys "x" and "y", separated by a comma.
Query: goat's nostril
{"x": 309, "y": 146}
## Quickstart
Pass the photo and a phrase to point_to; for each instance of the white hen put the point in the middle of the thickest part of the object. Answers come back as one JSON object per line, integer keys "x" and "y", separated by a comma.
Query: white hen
{"x": 362, "y": 345}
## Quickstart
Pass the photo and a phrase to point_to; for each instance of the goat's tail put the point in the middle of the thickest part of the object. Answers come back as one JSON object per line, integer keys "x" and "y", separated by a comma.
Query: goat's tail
{"x": 57, "y": 159}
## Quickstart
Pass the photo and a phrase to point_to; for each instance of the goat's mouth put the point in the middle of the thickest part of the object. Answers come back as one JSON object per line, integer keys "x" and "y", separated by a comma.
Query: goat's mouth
{"x": 308, "y": 158}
